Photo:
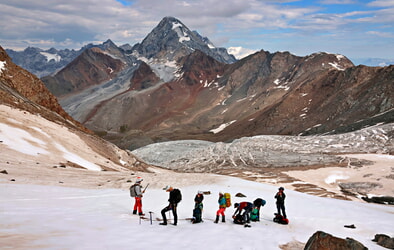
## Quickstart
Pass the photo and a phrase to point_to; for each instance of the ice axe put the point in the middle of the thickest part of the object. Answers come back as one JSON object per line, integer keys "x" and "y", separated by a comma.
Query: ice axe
{"x": 145, "y": 188}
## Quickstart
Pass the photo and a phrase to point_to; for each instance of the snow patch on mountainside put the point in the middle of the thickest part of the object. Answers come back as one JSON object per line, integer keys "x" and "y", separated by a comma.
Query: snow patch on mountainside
{"x": 33, "y": 138}
{"x": 2, "y": 66}
{"x": 336, "y": 66}
{"x": 21, "y": 140}
{"x": 335, "y": 176}
{"x": 221, "y": 127}
{"x": 178, "y": 28}
{"x": 50, "y": 56}
{"x": 166, "y": 70}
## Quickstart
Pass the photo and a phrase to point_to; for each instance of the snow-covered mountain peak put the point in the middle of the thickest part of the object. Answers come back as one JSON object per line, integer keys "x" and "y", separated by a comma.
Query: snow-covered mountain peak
{"x": 172, "y": 39}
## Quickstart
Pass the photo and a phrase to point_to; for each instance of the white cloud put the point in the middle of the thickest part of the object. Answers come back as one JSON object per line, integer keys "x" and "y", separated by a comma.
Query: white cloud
{"x": 337, "y": 1}
{"x": 240, "y": 52}
{"x": 380, "y": 34}
{"x": 382, "y": 3}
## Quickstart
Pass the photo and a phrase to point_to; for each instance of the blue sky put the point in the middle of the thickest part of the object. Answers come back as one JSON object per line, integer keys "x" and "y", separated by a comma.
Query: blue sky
{"x": 354, "y": 28}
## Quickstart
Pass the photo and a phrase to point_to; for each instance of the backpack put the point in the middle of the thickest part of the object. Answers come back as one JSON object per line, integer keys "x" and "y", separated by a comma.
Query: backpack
{"x": 132, "y": 191}
{"x": 280, "y": 219}
{"x": 177, "y": 195}
{"x": 227, "y": 196}
{"x": 239, "y": 219}
{"x": 254, "y": 215}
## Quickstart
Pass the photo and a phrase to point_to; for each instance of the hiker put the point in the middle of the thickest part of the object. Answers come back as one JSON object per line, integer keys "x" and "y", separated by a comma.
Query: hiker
{"x": 255, "y": 213}
{"x": 136, "y": 192}
{"x": 198, "y": 207}
{"x": 174, "y": 199}
{"x": 244, "y": 206}
{"x": 280, "y": 202}
{"x": 222, "y": 208}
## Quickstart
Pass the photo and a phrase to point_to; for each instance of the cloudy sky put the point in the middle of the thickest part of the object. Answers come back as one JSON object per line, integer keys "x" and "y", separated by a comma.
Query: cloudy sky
{"x": 354, "y": 28}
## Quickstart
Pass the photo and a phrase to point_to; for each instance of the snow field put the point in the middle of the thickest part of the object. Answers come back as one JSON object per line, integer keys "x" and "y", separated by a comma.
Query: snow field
{"x": 71, "y": 218}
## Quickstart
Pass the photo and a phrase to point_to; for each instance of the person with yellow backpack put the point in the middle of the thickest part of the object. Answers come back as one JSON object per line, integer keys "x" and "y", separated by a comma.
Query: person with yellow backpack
{"x": 222, "y": 208}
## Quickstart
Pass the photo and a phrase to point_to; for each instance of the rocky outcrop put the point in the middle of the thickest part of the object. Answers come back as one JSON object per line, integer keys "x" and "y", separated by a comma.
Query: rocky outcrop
{"x": 324, "y": 241}
{"x": 384, "y": 241}
{"x": 387, "y": 200}
{"x": 358, "y": 188}
{"x": 143, "y": 78}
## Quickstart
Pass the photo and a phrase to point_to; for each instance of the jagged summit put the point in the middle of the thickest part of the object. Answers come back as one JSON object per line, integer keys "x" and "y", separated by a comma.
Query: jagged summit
{"x": 171, "y": 39}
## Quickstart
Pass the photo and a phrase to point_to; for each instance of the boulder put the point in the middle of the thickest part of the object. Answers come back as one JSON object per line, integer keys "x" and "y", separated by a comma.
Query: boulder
{"x": 387, "y": 200}
{"x": 384, "y": 241}
{"x": 324, "y": 241}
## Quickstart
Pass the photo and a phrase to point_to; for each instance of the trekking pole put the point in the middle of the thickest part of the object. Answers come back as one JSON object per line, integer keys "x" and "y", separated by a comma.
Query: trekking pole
{"x": 150, "y": 216}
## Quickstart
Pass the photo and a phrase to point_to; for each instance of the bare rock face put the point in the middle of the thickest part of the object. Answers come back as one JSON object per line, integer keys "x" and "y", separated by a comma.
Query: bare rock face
{"x": 388, "y": 200}
{"x": 143, "y": 78}
{"x": 357, "y": 188}
{"x": 92, "y": 67}
{"x": 384, "y": 241}
{"x": 323, "y": 241}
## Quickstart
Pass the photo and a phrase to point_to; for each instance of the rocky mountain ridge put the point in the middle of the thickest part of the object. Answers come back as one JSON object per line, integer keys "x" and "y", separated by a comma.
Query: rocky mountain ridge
{"x": 43, "y": 62}
{"x": 33, "y": 121}
{"x": 175, "y": 85}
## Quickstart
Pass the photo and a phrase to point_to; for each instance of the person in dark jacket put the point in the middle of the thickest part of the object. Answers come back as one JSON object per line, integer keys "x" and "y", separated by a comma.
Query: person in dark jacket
{"x": 243, "y": 208}
{"x": 175, "y": 198}
{"x": 280, "y": 201}
{"x": 257, "y": 204}
{"x": 198, "y": 207}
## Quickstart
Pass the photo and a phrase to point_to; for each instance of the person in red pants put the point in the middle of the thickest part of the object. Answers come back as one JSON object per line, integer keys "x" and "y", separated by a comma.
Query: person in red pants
{"x": 222, "y": 208}
{"x": 136, "y": 192}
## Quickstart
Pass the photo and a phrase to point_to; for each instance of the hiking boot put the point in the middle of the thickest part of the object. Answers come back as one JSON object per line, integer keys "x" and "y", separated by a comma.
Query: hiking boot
{"x": 141, "y": 214}
{"x": 134, "y": 211}
{"x": 163, "y": 224}
{"x": 217, "y": 219}
{"x": 223, "y": 219}
{"x": 174, "y": 224}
